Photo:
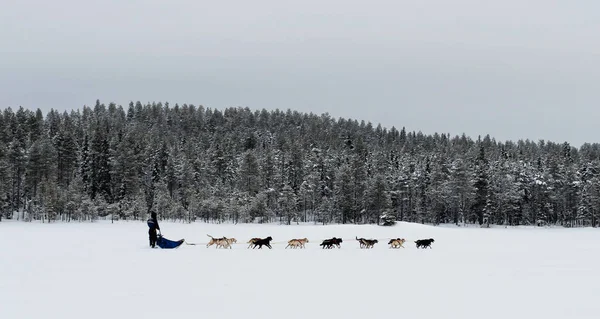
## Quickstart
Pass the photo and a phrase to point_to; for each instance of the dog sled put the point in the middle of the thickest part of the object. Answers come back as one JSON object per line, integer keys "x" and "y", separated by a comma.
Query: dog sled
{"x": 164, "y": 243}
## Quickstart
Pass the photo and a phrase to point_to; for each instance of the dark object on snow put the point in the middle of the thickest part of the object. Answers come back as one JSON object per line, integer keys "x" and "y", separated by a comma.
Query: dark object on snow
{"x": 424, "y": 243}
{"x": 168, "y": 244}
{"x": 153, "y": 225}
{"x": 387, "y": 219}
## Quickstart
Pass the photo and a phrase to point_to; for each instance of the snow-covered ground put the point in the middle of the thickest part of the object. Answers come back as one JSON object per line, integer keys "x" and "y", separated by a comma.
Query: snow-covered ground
{"x": 103, "y": 270}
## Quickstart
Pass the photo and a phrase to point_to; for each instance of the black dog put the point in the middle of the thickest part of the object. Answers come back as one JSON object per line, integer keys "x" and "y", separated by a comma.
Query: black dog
{"x": 263, "y": 241}
{"x": 424, "y": 243}
{"x": 369, "y": 243}
{"x": 328, "y": 243}
{"x": 336, "y": 241}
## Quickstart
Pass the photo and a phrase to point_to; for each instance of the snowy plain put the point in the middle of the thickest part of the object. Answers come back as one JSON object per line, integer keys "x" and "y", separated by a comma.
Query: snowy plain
{"x": 104, "y": 270}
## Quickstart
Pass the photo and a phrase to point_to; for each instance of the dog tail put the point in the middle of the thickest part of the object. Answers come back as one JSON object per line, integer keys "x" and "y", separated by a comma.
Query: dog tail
{"x": 210, "y": 236}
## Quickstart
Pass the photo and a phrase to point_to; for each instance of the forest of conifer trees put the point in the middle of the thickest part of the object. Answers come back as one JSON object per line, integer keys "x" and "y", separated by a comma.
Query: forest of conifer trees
{"x": 192, "y": 163}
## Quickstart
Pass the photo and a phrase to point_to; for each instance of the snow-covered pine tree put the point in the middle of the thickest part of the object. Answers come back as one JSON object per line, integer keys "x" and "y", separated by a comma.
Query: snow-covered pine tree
{"x": 481, "y": 184}
{"x": 343, "y": 192}
{"x": 377, "y": 198}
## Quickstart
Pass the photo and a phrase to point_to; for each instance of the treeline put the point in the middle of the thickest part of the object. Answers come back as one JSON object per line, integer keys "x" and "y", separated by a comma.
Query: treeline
{"x": 189, "y": 162}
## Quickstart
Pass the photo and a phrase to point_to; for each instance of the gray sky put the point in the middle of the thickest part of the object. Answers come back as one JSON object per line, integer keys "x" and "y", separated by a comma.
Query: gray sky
{"x": 512, "y": 69}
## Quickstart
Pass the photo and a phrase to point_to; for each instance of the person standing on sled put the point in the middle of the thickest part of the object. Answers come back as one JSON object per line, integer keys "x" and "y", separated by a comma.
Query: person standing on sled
{"x": 153, "y": 225}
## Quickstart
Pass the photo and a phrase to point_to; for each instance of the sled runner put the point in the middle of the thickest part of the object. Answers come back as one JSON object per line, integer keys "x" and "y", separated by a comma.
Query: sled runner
{"x": 168, "y": 244}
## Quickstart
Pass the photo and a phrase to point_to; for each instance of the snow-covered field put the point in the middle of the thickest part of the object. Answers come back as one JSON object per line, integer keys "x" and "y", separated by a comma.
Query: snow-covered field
{"x": 103, "y": 270}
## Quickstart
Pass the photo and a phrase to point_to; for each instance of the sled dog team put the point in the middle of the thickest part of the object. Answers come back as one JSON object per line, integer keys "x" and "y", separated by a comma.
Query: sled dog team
{"x": 395, "y": 243}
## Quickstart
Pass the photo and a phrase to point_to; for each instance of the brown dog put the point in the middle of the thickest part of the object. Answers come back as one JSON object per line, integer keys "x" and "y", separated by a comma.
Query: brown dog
{"x": 367, "y": 243}
{"x": 396, "y": 242}
{"x": 361, "y": 242}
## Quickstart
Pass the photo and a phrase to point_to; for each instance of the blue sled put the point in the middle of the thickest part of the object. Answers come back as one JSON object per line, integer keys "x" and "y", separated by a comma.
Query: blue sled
{"x": 168, "y": 244}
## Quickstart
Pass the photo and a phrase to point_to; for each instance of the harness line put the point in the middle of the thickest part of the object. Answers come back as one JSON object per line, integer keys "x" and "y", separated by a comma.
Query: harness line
{"x": 286, "y": 242}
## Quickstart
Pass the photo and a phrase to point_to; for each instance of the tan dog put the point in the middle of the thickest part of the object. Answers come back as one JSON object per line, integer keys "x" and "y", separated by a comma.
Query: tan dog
{"x": 218, "y": 242}
{"x": 295, "y": 243}
{"x": 212, "y": 241}
{"x": 252, "y": 241}
{"x": 231, "y": 241}
{"x": 226, "y": 242}
{"x": 303, "y": 241}
{"x": 396, "y": 242}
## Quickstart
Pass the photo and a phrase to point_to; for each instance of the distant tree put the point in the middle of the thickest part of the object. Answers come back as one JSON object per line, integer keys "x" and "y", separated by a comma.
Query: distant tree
{"x": 249, "y": 174}
{"x": 481, "y": 184}
{"x": 343, "y": 192}
{"x": 287, "y": 204}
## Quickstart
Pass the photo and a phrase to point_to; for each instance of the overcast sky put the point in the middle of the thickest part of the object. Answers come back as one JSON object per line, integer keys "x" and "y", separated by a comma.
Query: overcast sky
{"x": 513, "y": 69}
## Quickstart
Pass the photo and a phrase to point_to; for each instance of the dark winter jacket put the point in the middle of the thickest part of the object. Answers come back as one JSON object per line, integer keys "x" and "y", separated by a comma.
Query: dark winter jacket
{"x": 153, "y": 225}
